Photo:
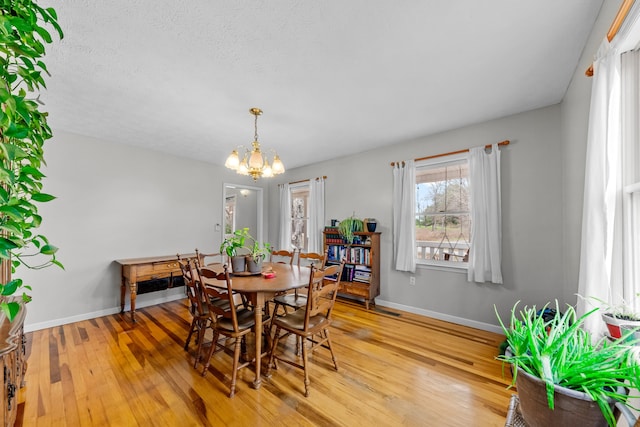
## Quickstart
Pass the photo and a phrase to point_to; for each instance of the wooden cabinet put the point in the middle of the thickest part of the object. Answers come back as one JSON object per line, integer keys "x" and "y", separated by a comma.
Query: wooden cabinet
{"x": 13, "y": 363}
{"x": 361, "y": 274}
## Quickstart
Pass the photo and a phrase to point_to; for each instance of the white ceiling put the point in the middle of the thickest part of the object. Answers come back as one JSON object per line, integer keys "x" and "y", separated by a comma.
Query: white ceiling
{"x": 333, "y": 77}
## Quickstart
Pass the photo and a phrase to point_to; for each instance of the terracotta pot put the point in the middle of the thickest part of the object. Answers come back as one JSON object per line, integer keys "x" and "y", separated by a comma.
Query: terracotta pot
{"x": 572, "y": 408}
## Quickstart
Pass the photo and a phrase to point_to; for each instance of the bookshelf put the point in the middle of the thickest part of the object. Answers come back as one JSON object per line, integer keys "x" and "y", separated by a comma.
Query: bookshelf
{"x": 361, "y": 273}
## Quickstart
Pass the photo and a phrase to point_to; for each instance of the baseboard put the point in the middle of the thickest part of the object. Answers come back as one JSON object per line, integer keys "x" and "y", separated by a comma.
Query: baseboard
{"x": 440, "y": 316}
{"x": 92, "y": 315}
{"x": 107, "y": 312}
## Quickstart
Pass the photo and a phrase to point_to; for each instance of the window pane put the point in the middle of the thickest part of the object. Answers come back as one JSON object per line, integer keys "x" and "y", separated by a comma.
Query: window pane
{"x": 443, "y": 225}
{"x": 299, "y": 217}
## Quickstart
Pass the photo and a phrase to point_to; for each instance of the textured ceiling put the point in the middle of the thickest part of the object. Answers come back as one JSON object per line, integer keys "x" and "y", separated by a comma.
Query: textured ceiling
{"x": 333, "y": 77}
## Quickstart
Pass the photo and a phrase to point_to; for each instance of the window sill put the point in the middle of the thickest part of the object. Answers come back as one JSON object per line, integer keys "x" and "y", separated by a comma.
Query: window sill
{"x": 453, "y": 267}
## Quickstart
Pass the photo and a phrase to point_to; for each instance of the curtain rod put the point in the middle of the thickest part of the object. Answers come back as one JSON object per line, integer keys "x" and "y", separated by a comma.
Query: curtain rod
{"x": 307, "y": 180}
{"x": 625, "y": 7}
{"x": 503, "y": 143}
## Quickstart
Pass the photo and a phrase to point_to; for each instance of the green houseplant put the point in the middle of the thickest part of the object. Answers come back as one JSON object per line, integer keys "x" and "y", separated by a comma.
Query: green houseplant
{"x": 239, "y": 240}
{"x": 231, "y": 246}
{"x": 256, "y": 256}
{"x": 348, "y": 226}
{"x": 259, "y": 253}
{"x": 559, "y": 357}
{"x": 23, "y": 131}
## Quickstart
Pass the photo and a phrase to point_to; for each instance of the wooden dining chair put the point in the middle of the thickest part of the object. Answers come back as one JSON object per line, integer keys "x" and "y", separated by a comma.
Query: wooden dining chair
{"x": 312, "y": 258}
{"x": 311, "y": 323}
{"x": 228, "y": 320}
{"x": 198, "y": 308}
{"x": 298, "y": 298}
{"x": 209, "y": 258}
{"x": 283, "y": 256}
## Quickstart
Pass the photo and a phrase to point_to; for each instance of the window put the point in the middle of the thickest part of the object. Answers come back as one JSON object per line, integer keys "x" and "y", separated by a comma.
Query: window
{"x": 443, "y": 220}
{"x": 229, "y": 214}
{"x": 299, "y": 196}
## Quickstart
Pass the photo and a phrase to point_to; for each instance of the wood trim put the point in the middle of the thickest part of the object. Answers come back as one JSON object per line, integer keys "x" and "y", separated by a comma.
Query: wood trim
{"x": 625, "y": 7}
{"x": 435, "y": 156}
{"x": 307, "y": 180}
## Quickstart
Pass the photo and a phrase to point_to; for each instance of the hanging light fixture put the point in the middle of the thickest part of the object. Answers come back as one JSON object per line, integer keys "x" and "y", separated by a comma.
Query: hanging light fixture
{"x": 254, "y": 162}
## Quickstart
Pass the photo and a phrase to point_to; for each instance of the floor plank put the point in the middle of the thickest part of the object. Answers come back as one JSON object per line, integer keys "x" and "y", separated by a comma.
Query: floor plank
{"x": 395, "y": 368}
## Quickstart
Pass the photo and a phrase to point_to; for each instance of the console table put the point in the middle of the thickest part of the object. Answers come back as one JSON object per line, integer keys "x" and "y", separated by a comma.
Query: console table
{"x": 136, "y": 270}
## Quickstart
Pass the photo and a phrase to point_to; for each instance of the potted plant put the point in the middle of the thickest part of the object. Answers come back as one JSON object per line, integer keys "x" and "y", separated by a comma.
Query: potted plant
{"x": 256, "y": 256}
{"x": 563, "y": 377}
{"x": 348, "y": 226}
{"x": 619, "y": 317}
{"x": 231, "y": 246}
{"x": 239, "y": 240}
{"x": 23, "y": 131}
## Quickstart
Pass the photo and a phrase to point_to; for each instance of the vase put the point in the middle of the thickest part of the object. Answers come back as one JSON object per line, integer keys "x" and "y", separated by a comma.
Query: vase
{"x": 253, "y": 266}
{"x": 238, "y": 264}
{"x": 371, "y": 225}
{"x": 571, "y": 408}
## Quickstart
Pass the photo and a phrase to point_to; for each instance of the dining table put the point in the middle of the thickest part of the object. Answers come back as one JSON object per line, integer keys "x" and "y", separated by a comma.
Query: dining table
{"x": 259, "y": 288}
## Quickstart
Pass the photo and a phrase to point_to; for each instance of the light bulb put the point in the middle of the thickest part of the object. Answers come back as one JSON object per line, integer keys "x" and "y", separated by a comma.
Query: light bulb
{"x": 277, "y": 167}
{"x": 267, "y": 172}
{"x": 233, "y": 161}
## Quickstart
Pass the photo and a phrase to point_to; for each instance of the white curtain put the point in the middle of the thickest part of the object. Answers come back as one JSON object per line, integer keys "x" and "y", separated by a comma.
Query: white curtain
{"x": 630, "y": 110}
{"x": 404, "y": 212}
{"x": 601, "y": 188}
{"x": 316, "y": 214}
{"x": 285, "y": 217}
{"x": 485, "y": 254}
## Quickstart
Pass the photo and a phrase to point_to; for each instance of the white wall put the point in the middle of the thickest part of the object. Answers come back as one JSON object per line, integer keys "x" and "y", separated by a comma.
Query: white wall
{"x": 532, "y": 216}
{"x": 114, "y": 202}
{"x": 542, "y": 184}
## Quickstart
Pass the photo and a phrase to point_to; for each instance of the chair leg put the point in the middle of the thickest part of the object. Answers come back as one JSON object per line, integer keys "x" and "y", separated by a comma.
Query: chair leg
{"x": 267, "y": 338}
{"x": 299, "y": 345}
{"x": 243, "y": 347}
{"x": 307, "y": 383}
{"x": 333, "y": 356}
{"x": 208, "y": 358}
{"x": 200, "y": 338}
{"x": 193, "y": 325}
{"x": 274, "y": 344}
{"x": 236, "y": 360}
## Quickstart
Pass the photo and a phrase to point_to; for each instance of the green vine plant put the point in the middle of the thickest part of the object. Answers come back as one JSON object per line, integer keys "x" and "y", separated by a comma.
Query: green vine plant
{"x": 23, "y": 131}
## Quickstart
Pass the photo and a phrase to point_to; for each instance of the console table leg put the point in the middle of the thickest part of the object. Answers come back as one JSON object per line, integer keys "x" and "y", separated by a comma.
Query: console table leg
{"x": 134, "y": 290}
{"x": 123, "y": 290}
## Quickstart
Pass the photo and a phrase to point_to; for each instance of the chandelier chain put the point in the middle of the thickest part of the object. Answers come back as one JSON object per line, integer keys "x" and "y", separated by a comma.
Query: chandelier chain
{"x": 255, "y": 128}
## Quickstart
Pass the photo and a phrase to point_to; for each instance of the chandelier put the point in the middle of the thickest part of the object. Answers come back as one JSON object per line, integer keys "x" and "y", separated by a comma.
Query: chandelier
{"x": 253, "y": 161}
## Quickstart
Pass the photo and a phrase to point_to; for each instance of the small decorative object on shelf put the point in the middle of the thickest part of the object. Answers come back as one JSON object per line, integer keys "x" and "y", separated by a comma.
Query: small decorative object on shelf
{"x": 371, "y": 224}
{"x": 361, "y": 273}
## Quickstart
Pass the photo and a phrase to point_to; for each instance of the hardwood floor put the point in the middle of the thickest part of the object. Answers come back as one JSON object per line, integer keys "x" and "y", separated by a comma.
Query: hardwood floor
{"x": 396, "y": 368}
